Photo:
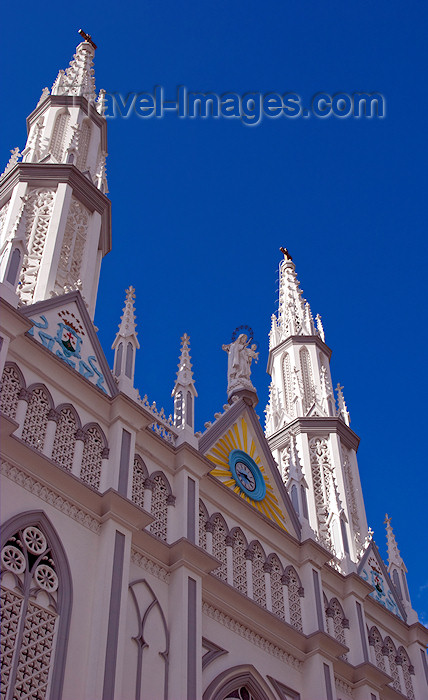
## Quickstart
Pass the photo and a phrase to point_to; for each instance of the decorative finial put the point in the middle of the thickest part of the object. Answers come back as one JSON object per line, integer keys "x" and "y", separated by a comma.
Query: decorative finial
{"x": 287, "y": 255}
{"x": 87, "y": 37}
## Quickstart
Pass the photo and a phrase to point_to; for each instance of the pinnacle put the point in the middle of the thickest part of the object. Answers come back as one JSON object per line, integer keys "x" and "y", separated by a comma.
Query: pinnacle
{"x": 184, "y": 373}
{"x": 127, "y": 325}
{"x": 394, "y": 556}
{"x": 78, "y": 78}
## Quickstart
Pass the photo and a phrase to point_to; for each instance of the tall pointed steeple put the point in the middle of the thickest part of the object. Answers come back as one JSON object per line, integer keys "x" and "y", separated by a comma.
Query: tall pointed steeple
{"x": 302, "y": 420}
{"x": 396, "y": 566}
{"x": 184, "y": 392}
{"x": 125, "y": 345}
{"x": 62, "y": 178}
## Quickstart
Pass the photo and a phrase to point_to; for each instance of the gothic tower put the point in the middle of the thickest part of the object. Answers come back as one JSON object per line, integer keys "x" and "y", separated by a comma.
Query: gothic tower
{"x": 54, "y": 213}
{"x": 309, "y": 437}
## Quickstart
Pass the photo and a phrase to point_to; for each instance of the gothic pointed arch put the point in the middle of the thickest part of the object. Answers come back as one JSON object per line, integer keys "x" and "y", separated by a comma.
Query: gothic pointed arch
{"x": 241, "y": 682}
{"x": 65, "y": 435}
{"x": 307, "y": 379}
{"x": 258, "y": 559}
{"x": 36, "y": 596}
{"x": 36, "y": 417}
{"x": 161, "y": 497}
{"x": 57, "y": 142}
{"x": 276, "y": 585}
{"x": 239, "y": 560}
{"x": 376, "y": 641}
{"x": 84, "y": 141}
{"x": 95, "y": 445}
{"x": 287, "y": 383}
{"x": 219, "y": 533}
{"x": 12, "y": 382}
{"x": 203, "y": 519}
{"x": 408, "y": 670}
{"x": 139, "y": 476}
{"x": 389, "y": 650}
{"x": 334, "y": 613}
{"x": 295, "y": 592}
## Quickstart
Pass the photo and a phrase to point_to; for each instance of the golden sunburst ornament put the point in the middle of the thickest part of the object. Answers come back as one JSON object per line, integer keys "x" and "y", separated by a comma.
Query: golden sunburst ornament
{"x": 238, "y": 466}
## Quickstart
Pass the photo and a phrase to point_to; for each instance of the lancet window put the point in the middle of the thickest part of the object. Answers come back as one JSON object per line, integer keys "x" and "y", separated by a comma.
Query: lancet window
{"x": 10, "y": 387}
{"x": 239, "y": 561}
{"x": 276, "y": 587}
{"x": 58, "y": 135}
{"x": 36, "y": 418}
{"x": 203, "y": 518}
{"x": 35, "y": 599}
{"x": 286, "y": 375}
{"x": 92, "y": 457}
{"x": 307, "y": 379}
{"x": 391, "y": 652}
{"x": 73, "y": 245}
{"x": 139, "y": 476}
{"x": 294, "y": 591}
{"x": 219, "y": 546}
{"x": 159, "y": 508}
{"x": 65, "y": 438}
{"x": 259, "y": 583}
{"x": 84, "y": 139}
{"x": 375, "y": 641}
{"x": 39, "y": 210}
{"x": 407, "y": 671}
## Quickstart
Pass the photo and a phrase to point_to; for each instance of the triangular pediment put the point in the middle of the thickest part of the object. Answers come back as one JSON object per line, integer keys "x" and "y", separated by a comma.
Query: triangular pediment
{"x": 315, "y": 411}
{"x": 238, "y": 431}
{"x": 63, "y": 326}
{"x": 373, "y": 570}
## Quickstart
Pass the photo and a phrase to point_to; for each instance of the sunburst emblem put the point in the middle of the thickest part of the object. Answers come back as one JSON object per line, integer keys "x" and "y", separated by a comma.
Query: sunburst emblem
{"x": 234, "y": 442}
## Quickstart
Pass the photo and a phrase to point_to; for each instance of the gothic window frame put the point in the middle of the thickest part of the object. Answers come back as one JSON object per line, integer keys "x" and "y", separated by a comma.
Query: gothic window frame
{"x": 85, "y": 430}
{"x": 202, "y": 524}
{"x": 243, "y": 563}
{"x": 307, "y": 374}
{"x": 260, "y": 600}
{"x": 297, "y": 594}
{"x": 22, "y": 383}
{"x": 31, "y": 389}
{"x": 145, "y": 475}
{"x": 37, "y": 518}
{"x": 57, "y": 142}
{"x": 84, "y": 146}
{"x": 271, "y": 559}
{"x": 237, "y": 677}
{"x": 407, "y": 672}
{"x": 376, "y": 641}
{"x": 170, "y": 497}
{"x": 392, "y": 656}
{"x": 223, "y": 564}
{"x": 59, "y": 409}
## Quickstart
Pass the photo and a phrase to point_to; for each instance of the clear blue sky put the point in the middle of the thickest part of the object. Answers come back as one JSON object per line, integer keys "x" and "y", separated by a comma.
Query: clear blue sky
{"x": 200, "y": 207}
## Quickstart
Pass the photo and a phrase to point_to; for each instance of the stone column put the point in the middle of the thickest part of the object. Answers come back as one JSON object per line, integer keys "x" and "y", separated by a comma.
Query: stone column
{"x": 53, "y": 419}
{"x": 78, "y": 451}
{"x": 23, "y": 399}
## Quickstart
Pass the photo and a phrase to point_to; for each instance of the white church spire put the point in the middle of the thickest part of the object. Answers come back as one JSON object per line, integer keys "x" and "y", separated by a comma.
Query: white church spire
{"x": 62, "y": 177}
{"x": 184, "y": 392}
{"x": 125, "y": 345}
{"x": 309, "y": 438}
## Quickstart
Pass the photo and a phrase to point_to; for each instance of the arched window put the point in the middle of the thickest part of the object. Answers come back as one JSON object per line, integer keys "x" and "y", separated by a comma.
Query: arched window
{"x": 36, "y": 605}
{"x": 139, "y": 476}
{"x": 11, "y": 384}
{"x": 334, "y": 611}
{"x": 219, "y": 546}
{"x": 36, "y": 418}
{"x": 239, "y": 560}
{"x": 307, "y": 379}
{"x": 259, "y": 583}
{"x": 389, "y": 647}
{"x": 92, "y": 457}
{"x": 118, "y": 363}
{"x": 286, "y": 374}
{"x": 294, "y": 592}
{"x": 129, "y": 360}
{"x": 407, "y": 671}
{"x": 65, "y": 438}
{"x": 203, "y": 517}
{"x": 276, "y": 588}
{"x": 84, "y": 139}
{"x": 58, "y": 135}
{"x": 375, "y": 641}
{"x": 189, "y": 409}
{"x": 240, "y": 683}
{"x": 159, "y": 507}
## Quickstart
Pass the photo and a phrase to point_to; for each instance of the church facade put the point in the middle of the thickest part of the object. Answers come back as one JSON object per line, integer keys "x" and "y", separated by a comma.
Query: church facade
{"x": 141, "y": 560}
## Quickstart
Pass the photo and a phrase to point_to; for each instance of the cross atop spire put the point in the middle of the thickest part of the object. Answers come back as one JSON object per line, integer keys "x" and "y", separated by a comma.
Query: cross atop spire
{"x": 394, "y": 556}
